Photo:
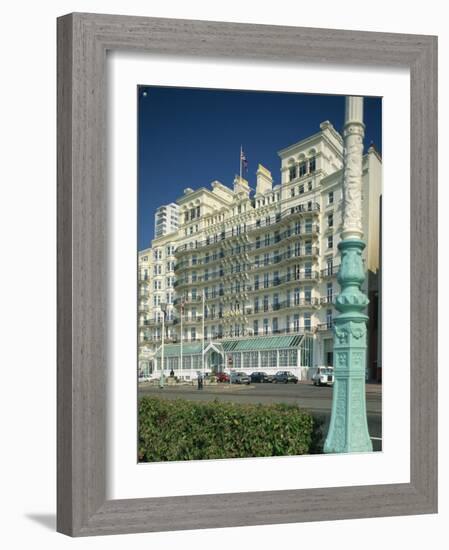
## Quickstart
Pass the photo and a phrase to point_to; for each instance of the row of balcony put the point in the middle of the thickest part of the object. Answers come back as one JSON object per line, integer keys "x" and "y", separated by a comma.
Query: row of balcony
{"x": 258, "y": 225}
{"x": 287, "y": 304}
{"x": 300, "y": 252}
{"x": 248, "y": 333}
{"x": 211, "y": 296}
{"x": 329, "y": 271}
{"x": 276, "y": 281}
{"x": 246, "y": 311}
{"x": 311, "y": 275}
{"x": 245, "y": 248}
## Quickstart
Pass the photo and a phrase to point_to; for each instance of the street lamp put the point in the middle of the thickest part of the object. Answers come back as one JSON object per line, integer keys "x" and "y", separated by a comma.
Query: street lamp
{"x": 348, "y": 428}
{"x": 163, "y": 307}
{"x": 203, "y": 328}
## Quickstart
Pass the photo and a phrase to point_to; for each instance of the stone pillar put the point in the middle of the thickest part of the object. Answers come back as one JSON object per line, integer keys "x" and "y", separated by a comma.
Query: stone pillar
{"x": 348, "y": 429}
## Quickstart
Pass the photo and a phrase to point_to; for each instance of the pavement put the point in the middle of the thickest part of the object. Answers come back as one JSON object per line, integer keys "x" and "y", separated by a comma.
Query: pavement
{"x": 317, "y": 400}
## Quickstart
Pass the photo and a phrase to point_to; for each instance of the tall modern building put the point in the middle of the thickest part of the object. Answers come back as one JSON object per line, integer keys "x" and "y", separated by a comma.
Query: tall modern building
{"x": 249, "y": 276}
{"x": 166, "y": 219}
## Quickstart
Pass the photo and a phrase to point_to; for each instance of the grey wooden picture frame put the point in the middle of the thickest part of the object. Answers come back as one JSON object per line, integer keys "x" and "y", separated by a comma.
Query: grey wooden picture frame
{"x": 83, "y": 41}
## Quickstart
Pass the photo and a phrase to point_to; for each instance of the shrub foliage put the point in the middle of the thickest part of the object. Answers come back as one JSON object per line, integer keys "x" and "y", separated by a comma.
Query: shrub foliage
{"x": 186, "y": 430}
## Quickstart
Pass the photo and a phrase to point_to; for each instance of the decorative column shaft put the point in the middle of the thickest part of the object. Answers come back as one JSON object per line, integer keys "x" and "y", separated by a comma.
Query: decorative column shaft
{"x": 348, "y": 429}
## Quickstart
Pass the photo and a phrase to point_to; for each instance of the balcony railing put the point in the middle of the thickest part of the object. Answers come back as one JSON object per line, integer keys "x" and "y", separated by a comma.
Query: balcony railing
{"x": 157, "y": 322}
{"x": 188, "y": 300}
{"x": 158, "y": 338}
{"x": 284, "y": 279}
{"x": 330, "y": 271}
{"x": 322, "y": 327}
{"x": 298, "y": 254}
{"x": 191, "y": 320}
{"x": 185, "y": 264}
{"x": 285, "y": 304}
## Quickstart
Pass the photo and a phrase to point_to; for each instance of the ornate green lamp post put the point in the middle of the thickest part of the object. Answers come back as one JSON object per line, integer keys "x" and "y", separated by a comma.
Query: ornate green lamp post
{"x": 348, "y": 429}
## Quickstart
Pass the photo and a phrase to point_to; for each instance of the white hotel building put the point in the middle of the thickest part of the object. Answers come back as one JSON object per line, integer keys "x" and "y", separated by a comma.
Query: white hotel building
{"x": 249, "y": 276}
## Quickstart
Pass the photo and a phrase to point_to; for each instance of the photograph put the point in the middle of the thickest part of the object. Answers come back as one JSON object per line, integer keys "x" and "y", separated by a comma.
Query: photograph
{"x": 222, "y": 223}
{"x": 259, "y": 217}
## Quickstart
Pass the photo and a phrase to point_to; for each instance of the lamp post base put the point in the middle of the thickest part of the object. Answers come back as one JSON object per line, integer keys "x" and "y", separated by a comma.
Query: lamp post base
{"x": 348, "y": 429}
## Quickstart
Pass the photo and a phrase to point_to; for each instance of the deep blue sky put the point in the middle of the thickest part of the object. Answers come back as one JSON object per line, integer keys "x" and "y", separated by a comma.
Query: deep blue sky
{"x": 189, "y": 137}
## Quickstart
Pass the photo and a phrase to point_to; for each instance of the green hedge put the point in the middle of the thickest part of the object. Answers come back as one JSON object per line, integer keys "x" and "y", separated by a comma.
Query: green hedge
{"x": 186, "y": 430}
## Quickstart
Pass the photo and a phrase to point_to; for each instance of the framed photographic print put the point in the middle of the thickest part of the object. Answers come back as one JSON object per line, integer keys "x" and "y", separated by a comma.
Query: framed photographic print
{"x": 235, "y": 203}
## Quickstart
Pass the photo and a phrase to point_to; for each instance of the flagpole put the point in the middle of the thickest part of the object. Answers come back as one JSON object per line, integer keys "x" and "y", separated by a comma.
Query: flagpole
{"x": 162, "y": 377}
{"x": 182, "y": 313}
{"x": 204, "y": 299}
{"x": 241, "y": 150}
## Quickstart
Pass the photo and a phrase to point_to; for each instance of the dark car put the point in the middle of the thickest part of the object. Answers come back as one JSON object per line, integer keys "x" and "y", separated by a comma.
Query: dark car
{"x": 284, "y": 377}
{"x": 222, "y": 377}
{"x": 261, "y": 377}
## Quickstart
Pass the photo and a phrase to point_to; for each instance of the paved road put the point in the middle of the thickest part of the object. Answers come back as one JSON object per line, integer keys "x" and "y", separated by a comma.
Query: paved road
{"x": 317, "y": 400}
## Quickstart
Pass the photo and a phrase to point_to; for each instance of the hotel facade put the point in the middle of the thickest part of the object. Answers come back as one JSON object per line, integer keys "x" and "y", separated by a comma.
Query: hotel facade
{"x": 248, "y": 279}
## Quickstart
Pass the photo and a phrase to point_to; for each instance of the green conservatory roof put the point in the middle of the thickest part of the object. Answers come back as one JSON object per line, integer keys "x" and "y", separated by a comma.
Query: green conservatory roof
{"x": 174, "y": 350}
{"x": 261, "y": 343}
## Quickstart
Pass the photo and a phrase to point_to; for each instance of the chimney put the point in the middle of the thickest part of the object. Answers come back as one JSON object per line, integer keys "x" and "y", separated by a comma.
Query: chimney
{"x": 241, "y": 186}
{"x": 264, "y": 180}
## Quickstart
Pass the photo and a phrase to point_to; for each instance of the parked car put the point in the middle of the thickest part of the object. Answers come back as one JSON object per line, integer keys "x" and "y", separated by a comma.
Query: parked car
{"x": 222, "y": 377}
{"x": 324, "y": 376}
{"x": 240, "y": 378}
{"x": 284, "y": 377}
{"x": 261, "y": 377}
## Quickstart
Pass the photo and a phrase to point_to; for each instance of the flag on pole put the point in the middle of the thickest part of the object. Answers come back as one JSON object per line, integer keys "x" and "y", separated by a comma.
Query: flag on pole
{"x": 243, "y": 160}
